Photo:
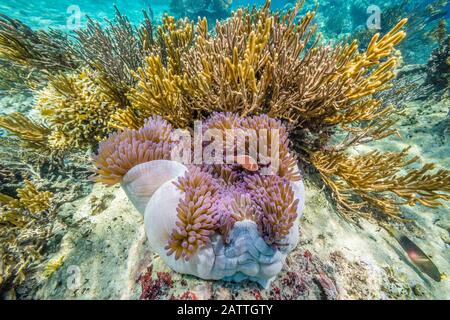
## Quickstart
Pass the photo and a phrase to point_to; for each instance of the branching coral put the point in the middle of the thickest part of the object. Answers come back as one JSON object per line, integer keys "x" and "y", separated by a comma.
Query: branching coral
{"x": 46, "y": 51}
{"x": 24, "y": 229}
{"x": 161, "y": 93}
{"x": 381, "y": 180}
{"x": 258, "y": 61}
{"x": 30, "y": 133}
{"x": 161, "y": 82}
{"x": 80, "y": 106}
{"x": 126, "y": 149}
{"x": 76, "y": 108}
{"x": 30, "y": 199}
{"x": 114, "y": 52}
{"x": 22, "y": 238}
{"x": 37, "y": 163}
{"x": 33, "y": 200}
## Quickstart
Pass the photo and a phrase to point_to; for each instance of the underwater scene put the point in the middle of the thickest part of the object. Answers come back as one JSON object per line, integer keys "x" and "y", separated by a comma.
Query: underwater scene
{"x": 225, "y": 150}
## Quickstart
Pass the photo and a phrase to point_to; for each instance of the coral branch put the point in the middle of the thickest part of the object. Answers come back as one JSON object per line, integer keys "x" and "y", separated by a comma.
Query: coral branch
{"x": 31, "y": 133}
{"x": 45, "y": 51}
{"x": 382, "y": 181}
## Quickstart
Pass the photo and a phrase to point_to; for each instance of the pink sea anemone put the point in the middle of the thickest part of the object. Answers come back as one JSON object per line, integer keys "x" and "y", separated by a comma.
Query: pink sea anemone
{"x": 125, "y": 149}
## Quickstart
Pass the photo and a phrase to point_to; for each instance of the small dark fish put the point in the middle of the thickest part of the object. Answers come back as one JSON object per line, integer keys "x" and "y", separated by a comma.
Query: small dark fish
{"x": 416, "y": 255}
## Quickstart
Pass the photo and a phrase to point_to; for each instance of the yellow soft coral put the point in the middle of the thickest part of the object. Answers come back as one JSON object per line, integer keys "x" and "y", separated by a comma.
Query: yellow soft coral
{"x": 24, "y": 230}
{"x": 32, "y": 199}
{"x": 31, "y": 133}
{"x": 381, "y": 180}
{"x": 160, "y": 91}
{"x": 29, "y": 198}
{"x": 78, "y": 111}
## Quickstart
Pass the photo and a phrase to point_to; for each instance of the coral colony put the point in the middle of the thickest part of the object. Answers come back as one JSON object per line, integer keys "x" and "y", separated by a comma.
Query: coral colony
{"x": 255, "y": 62}
{"x": 127, "y": 91}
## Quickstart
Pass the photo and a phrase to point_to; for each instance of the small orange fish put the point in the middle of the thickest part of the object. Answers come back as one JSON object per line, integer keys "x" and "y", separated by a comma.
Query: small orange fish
{"x": 247, "y": 162}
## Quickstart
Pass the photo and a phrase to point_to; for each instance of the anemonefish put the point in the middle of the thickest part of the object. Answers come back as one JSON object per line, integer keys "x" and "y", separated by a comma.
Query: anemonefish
{"x": 247, "y": 162}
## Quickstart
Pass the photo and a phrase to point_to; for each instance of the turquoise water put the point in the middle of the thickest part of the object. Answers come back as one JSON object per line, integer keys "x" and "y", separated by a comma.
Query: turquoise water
{"x": 351, "y": 20}
{"x": 55, "y": 14}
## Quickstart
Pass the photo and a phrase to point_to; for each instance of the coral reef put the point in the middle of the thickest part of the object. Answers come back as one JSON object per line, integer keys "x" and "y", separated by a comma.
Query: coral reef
{"x": 257, "y": 61}
{"x": 24, "y": 230}
{"x": 30, "y": 133}
{"x": 78, "y": 111}
{"x": 258, "y": 69}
